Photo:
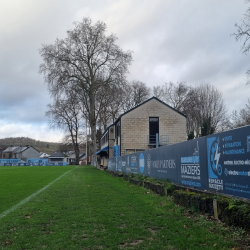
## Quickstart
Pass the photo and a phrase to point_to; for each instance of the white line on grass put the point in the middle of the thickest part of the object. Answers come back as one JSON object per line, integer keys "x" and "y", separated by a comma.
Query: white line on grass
{"x": 31, "y": 196}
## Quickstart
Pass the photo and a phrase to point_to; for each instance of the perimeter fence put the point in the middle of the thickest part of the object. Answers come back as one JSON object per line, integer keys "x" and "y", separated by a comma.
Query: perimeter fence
{"x": 219, "y": 162}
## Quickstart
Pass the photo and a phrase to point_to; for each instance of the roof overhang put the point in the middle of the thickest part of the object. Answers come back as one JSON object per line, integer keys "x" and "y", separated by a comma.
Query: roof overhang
{"x": 102, "y": 150}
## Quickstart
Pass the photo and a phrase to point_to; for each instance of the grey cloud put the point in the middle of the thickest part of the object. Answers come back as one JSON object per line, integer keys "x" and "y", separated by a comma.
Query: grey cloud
{"x": 172, "y": 41}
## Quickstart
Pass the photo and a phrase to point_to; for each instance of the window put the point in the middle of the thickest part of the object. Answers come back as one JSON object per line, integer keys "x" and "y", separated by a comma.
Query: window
{"x": 117, "y": 131}
{"x": 153, "y": 129}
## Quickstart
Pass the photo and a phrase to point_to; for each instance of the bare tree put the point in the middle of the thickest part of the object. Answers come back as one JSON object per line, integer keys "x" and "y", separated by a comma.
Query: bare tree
{"x": 111, "y": 104}
{"x": 159, "y": 92}
{"x": 183, "y": 98}
{"x": 209, "y": 107}
{"x": 203, "y": 105}
{"x": 135, "y": 93}
{"x": 85, "y": 61}
{"x": 65, "y": 114}
{"x": 241, "y": 118}
{"x": 243, "y": 34}
{"x": 176, "y": 95}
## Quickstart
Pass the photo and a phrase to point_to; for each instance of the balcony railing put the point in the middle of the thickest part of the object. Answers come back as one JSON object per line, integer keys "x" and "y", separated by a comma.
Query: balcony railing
{"x": 162, "y": 140}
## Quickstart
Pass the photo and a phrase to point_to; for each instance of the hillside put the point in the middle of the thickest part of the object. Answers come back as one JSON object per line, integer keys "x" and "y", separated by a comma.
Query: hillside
{"x": 42, "y": 146}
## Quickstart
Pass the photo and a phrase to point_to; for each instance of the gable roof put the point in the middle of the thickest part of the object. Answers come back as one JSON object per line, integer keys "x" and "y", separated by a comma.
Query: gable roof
{"x": 17, "y": 149}
{"x": 10, "y": 149}
{"x": 57, "y": 154}
{"x": 139, "y": 106}
{"x": 73, "y": 155}
{"x": 148, "y": 101}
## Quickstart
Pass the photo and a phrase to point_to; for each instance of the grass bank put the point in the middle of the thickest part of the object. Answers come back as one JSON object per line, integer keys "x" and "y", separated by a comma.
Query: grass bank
{"x": 89, "y": 209}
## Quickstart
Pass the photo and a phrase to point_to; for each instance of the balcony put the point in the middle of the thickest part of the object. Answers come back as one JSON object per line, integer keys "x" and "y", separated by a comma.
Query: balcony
{"x": 157, "y": 141}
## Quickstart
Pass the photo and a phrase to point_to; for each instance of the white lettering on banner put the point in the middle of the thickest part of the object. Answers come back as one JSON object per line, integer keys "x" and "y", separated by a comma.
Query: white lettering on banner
{"x": 192, "y": 170}
{"x": 163, "y": 164}
{"x": 215, "y": 184}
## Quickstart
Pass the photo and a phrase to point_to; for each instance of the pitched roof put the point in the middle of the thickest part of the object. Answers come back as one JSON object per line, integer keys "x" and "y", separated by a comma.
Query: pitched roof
{"x": 17, "y": 149}
{"x": 57, "y": 154}
{"x": 141, "y": 105}
{"x": 10, "y": 149}
{"x": 72, "y": 154}
{"x": 148, "y": 101}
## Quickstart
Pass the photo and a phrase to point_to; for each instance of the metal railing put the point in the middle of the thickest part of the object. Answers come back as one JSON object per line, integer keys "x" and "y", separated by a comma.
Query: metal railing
{"x": 156, "y": 140}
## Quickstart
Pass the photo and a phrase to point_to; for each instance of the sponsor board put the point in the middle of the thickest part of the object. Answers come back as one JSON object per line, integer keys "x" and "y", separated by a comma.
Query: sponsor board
{"x": 228, "y": 156}
{"x": 219, "y": 162}
{"x": 192, "y": 160}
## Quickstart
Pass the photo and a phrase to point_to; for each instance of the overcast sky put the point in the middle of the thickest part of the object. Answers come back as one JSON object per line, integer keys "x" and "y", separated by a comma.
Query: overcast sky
{"x": 185, "y": 40}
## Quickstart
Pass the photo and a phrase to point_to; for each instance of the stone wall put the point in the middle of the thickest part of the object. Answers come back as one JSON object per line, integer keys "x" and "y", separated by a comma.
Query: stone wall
{"x": 135, "y": 125}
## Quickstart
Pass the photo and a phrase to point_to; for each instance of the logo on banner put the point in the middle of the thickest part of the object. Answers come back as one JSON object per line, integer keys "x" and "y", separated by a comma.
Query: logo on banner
{"x": 248, "y": 143}
{"x": 149, "y": 164}
{"x": 214, "y": 167}
{"x": 141, "y": 163}
{"x": 226, "y": 172}
{"x": 190, "y": 169}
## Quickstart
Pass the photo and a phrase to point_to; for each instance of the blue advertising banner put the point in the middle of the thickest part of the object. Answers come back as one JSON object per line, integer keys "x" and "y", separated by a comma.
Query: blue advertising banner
{"x": 9, "y": 162}
{"x": 219, "y": 162}
{"x": 111, "y": 164}
{"x": 228, "y": 161}
{"x": 30, "y": 162}
{"x": 134, "y": 160}
{"x": 169, "y": 161}
{"x": 191, "y": 165}
{"x": 38, "y": 162}
{"x": 56, "y": 164}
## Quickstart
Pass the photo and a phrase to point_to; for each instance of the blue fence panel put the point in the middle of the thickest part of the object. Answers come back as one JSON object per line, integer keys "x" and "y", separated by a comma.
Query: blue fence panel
{"x": 9, "y": 162}
{"x": 30, "y": 162}
{"x": 38, "y": 162}
{"x": 228, "y": 162}
{"x": 57, "y": 164}
{"x": 219, "y": 162}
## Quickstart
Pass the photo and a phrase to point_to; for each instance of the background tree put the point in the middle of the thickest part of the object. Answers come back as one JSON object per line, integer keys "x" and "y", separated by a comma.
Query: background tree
{"x": 111, "y": 102}
{"x": 241, "y": 118}
{"x": 85, "y": 61}
{"x": 135, "y": 93}
{"x": 159, "y": 92}
{"x": 243, "y": 34}
{"x": 65, "y": 114}
{"x": 183, "y": 98}
{"x": 177, "y": 95}
{"x": 211, "y": 106}
{"x": 206, "y": 127}
{"x": 203, "y": 105}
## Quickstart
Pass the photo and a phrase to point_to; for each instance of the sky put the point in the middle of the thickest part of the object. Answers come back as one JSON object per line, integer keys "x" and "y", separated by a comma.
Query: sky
{"x": 185, "y": 40}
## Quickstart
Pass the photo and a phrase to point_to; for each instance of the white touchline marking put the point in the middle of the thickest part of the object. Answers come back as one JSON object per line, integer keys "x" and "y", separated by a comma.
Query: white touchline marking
{"x": 31, "y": 196}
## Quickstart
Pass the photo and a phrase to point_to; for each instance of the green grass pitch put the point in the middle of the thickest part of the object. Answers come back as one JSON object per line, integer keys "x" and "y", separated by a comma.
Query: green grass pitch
{"x": 89, "y": 209}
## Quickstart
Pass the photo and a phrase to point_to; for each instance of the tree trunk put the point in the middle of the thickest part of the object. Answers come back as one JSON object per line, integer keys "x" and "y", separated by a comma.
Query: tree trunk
{"x": 92, "y": 123}
{"x": 77, "y": 153}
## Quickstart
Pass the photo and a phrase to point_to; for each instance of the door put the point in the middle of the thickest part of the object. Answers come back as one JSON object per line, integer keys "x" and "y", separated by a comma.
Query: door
{"x": 153, "y": 129}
